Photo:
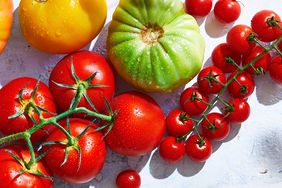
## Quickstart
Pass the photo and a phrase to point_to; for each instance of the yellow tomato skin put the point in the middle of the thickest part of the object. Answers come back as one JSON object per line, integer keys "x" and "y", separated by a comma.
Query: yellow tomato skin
{"x": 6, "y": 20}
{"x": 61, "y": 26}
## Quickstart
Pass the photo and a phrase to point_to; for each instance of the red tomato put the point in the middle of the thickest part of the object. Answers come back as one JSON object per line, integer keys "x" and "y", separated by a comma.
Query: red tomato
{"x": 138, "y": 126}
{"x": 10, "y": 168}
{"x": 227, "y": 11}
{"x": 128, "y": 179}
{"x": 261, "y": 64}
{"x": 179, "y": 123}
{"x": 275, "y": 69}
{"x": 198, "y": 7}
{"x": 215, "y": 127}
{"x": 194, "y": 101}
{"x": 211, "y": 79}
{"x": 242, "y": 87}
{"x": 220, "y": 56}
{"x": 171, "y": 150}
{"x": 10, "y": 104}
{"x": 237, "y": 39}
{"x": 85, "y": 64}
{"x": 280, "y": 45}
{"x": 198, "y": 149}
{"x": 263, "y": 28}
{"x": 238, "y": 112}
{"x": 93, "y": 153}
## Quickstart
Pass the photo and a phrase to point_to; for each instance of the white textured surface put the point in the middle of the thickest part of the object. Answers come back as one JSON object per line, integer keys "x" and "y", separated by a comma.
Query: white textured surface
{"x": 251, "y": 156}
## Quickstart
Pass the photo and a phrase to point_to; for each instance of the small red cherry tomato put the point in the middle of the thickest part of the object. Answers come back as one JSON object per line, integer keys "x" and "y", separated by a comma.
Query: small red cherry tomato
{"x": 198, "y": 149}
{"x": 211, "y": 79}
{"x": 171, "y": 150}
{"x": 194, "y": 101}
{"x": 198, "y": 7}
{"x": 238, "y": 111}
{"x": 275, "y": 69}
{"x": 128, "y": 179}
{"x": 227, "y": 11}
{"x": 179, "y": 123}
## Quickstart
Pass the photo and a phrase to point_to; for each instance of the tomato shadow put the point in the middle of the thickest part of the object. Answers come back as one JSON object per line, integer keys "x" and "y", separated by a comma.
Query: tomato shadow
{"x": 189, "y": 168}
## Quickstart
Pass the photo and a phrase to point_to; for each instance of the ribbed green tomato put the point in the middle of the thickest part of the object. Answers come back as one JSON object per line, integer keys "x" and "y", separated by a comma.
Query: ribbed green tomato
{"x": 154, "y": 44}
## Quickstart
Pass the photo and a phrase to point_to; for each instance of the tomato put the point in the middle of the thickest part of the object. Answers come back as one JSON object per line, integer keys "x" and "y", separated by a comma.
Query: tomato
{"x": 6, "y": 20}
{"x": 139, "y": 124}
{"x": 10, "y": 104}
{"x": 198, "y": 149}
{"x": 85, "y": 64}
{"x": 215, "y": 127}
{"x": 275, "y": 69}
{"x": 194, "y": 101}
{"x": 92, "y": 147}
{"x": 280, "y": 46}
{"x": 179, "y": 123}
{"x": 198, "y": 7}
{"x": 128, "y": 179}
{"x": 171, "y": 150}
{"x": 10, "y": 169}
{"x": 71, "y": 26}
{"x": 242, "y": 87}
{"x": 261, "y": 65}
{"x": 261, "y": 24}
{"x": 238, "y": 111}
{"x": 237, "y": 39}
{"x": 227, "y": 11}
{"x": 221, "y": 57}
{"x": 211, "y": 79}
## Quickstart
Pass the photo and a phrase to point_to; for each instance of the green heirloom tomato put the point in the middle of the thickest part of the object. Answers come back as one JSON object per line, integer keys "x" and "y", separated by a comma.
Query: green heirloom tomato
{"x": 154, "y": 44}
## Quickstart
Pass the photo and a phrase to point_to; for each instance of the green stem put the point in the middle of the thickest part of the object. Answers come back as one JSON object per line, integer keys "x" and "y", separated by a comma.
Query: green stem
{"x": 32, "y": 154}
{"x": 12, "y": 137}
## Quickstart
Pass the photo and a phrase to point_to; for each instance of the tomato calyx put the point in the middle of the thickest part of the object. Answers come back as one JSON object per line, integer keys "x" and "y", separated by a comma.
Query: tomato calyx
{"x": 272, "y": 22}
{"x": 231, "y": 61}
{"x": 212, "y": 78}
{"x": 184, "y": 117}
{"x": 201, "y": 142}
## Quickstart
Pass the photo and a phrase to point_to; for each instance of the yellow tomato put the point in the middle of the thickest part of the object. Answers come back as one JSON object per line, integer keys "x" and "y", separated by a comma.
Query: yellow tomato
{"x": 61, "y": 26}
{"x": 6, "y": 19}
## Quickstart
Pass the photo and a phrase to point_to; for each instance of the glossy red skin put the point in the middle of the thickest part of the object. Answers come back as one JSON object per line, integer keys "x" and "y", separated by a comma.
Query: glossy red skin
{"x": 241, "y": 111}
{"x": 198, "y": 7}
{"x": 275, "y": 69}
{"x": 213, "y": 87}
{"x": 244, "y": 79}
{"x": 139, "y": 124}
{"x": 176, "y": 126}
{"x": 262, "y": 62}
{"x": 193, "y": 107}
{"x": 219, "y": 54}
{"x": 237, "y": 39}
{"x": 85, "y": 64}
{"x": 93, "y": 150}
{"x": 265, "y": 32}
{"x": 221, "y": 124}
{"x": 10, "y": 105}
{"x": 171, "y": 150}
{"x": 9, "y": 168}
{"x": 128, "y": 179}
{"x": 195, "y": 152}
{"x": 227, "y": 11}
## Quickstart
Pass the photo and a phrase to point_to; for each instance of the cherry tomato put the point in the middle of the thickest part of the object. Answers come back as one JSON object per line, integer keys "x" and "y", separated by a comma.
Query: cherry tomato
{"x": 215, "y": 127}
{"x": 128, "y": 179}
{"x": 222, "y": 56}
{"x": 280, "y": 45}
{"x": 85, "y": 64}
{"x": 227, "y": 11}
{"x": 237, "y": 39}
{"x": 179, "y": 123}
{"x": 261, "y": 65}
{"x": 139, "y": 124}
{"x": 194, "y": 101}
{"x": 10, "y": 169}
{"x": 92, "y": 148}
{"x": 243, "y": 86}
{"x": 11, "y": 104}
{"x": 275, "y": 69}
{"x": 262, "y": 26}
{"x": 238, "y": 111}
{"x": 211, "y": 79}
{"x": 198, "y": 149}
{"x": 198, "y": 7}
{"x": 171, "y": 150}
